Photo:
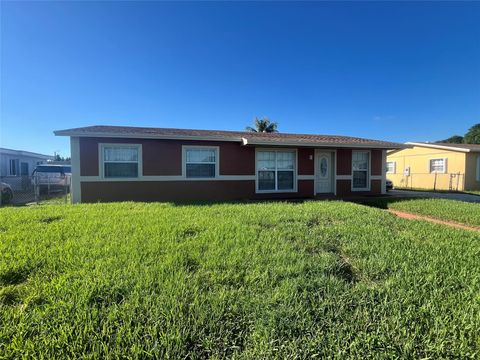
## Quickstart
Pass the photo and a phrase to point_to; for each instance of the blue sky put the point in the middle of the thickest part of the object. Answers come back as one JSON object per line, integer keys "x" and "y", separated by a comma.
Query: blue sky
{"x": 393, "y": 71}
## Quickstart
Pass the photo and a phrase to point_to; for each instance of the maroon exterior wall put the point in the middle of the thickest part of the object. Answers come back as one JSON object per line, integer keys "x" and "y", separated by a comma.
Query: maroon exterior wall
{"x": 306, "y": 163}
{"x": 344, "y": 161}
{"x": 164, "y": 158}
{"x": 183, "y": 191}
{"x": 344, "y": 167}
{"x": 376, "y": 159}
{"x": 166, "y": 190}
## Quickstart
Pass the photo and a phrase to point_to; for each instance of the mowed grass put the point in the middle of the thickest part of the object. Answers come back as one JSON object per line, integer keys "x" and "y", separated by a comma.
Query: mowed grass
{"x": 247, "y": 281}
{"x": 450, "y": 210}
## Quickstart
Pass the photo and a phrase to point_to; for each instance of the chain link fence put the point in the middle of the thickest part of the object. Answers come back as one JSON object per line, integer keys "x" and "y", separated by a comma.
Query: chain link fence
{"x": 21, "y": 190}
{"x": 431, "y": 181}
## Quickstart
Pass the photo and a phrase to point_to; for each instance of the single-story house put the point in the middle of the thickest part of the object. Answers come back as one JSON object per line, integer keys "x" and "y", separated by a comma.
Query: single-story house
{"x": 16, "y": 165}
{"x": 117, "y": 163}
{"x": 438, "y": 166}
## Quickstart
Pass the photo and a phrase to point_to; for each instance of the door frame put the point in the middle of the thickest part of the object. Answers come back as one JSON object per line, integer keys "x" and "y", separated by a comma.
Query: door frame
{"x": 333, "y": 160}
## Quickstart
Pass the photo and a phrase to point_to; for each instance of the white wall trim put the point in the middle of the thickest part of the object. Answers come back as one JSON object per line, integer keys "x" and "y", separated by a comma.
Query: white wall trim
{"x": 76, "y": 189}
{"x": 168, "y": 178}
{"x": 305, "y": 177}
{"x": 344, "y": 177}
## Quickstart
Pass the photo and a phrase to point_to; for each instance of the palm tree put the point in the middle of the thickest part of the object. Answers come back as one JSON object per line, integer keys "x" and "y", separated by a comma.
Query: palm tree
{"x": 263, "y": 125}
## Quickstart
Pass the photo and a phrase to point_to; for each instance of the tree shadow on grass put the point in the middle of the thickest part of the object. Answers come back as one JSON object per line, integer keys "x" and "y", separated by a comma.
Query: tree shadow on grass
{"x": 383, "y": 203}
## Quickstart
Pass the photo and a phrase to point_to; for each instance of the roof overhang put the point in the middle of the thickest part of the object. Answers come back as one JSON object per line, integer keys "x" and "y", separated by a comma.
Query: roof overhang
{"x": 25, "y": 153}
{"x": 436, "y": 146}
{"x": 246, "y": 141}
{"x": 145, "y": 136}
{"x": 242, "y": 140}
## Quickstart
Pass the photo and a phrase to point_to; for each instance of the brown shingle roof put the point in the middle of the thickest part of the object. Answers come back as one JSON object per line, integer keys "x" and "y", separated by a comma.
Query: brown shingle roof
{"x": 241, "y": 136}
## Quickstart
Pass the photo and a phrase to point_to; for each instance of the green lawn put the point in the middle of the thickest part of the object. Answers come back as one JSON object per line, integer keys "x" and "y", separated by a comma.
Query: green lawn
{"x": 451, "y": 210}
{"x": 265, "y": 280}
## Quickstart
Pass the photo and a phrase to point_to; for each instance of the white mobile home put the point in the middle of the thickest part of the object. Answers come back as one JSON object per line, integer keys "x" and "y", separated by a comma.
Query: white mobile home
{"x": 15, "y": 164}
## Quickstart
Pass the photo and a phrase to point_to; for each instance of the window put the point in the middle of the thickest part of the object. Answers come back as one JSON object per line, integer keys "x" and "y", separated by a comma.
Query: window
{"x": 437, "y": 165}
{"x": 120, "y": 161}
{"x": 200, "y": 162}
{"x": 391, "y": 165}
{"x": 276, "y": 170}
{"x": 360, "y": 169}
{"x": 14, "y": 168}
{"x": 24, "y": 169}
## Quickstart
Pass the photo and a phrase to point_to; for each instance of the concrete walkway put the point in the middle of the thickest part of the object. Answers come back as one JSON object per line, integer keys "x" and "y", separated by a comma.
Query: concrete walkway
{"x": 434, "y": 195}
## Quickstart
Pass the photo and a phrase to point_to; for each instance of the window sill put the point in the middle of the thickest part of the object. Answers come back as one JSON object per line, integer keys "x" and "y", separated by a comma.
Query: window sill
{"x": 358, "y": 189}
{"x": 120, "y": 178}
{"x": 200, "y": 178}
{"x": 275, "y": 191}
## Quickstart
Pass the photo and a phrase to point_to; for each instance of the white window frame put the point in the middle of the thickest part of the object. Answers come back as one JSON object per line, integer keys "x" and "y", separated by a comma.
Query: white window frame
{"x": 369, "y": 170}
{"x": 200, "y": 147}
{"x": 17, "y": 167}
{"x": 394, "y": 167}
{"x": 438, "y": 172}
{"x": 295, "y": 171}
{"x": 101, "y": 160}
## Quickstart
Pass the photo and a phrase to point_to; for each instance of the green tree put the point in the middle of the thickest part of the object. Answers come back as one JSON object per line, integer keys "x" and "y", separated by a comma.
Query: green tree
{"x": 61, "y": 158}
{"x": 473, "y": 135}
{"x": 455, "y": 139}
{"x": 263, "y": 125}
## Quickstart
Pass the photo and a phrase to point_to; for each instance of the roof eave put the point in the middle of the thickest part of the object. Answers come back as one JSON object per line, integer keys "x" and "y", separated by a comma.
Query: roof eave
{"x": 146, "y": 136}
{"x": 244, "y": 140}
{"x": 436, "y": 146}
{"x": 323, "y": 144}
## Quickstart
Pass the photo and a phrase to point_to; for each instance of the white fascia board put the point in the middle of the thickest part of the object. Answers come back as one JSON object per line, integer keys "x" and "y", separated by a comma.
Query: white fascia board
{"x": 316, "y": 144}
{"x": 435, "y": 146}
{"x": 25, "y": 153}
{"x": 243, "y": 140}
{"x": 147, "y": 136}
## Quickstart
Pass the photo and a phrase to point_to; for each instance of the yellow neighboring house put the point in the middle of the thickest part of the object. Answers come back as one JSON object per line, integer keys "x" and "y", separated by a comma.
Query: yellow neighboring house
{"x": 435, "y": 166}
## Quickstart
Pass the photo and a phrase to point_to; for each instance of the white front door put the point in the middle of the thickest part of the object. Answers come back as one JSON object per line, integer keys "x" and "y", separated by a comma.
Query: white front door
{"x": 323, "y": 173}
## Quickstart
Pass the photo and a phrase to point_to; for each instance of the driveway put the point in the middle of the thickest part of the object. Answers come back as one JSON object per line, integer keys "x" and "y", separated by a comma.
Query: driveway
{"x": 435, "y": 195}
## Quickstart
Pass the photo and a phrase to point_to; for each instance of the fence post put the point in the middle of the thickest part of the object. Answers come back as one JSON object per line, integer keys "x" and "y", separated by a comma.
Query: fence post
{"x": 435, "y": 182}
{"x": 36, "y": 188}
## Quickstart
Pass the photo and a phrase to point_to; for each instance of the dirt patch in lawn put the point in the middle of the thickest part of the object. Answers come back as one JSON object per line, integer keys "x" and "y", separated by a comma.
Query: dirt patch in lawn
{"x": 410, "y": 216}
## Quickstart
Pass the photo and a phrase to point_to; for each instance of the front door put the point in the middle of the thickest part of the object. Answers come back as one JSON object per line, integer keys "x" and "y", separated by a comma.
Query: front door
{"x": 323, "y": 173}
